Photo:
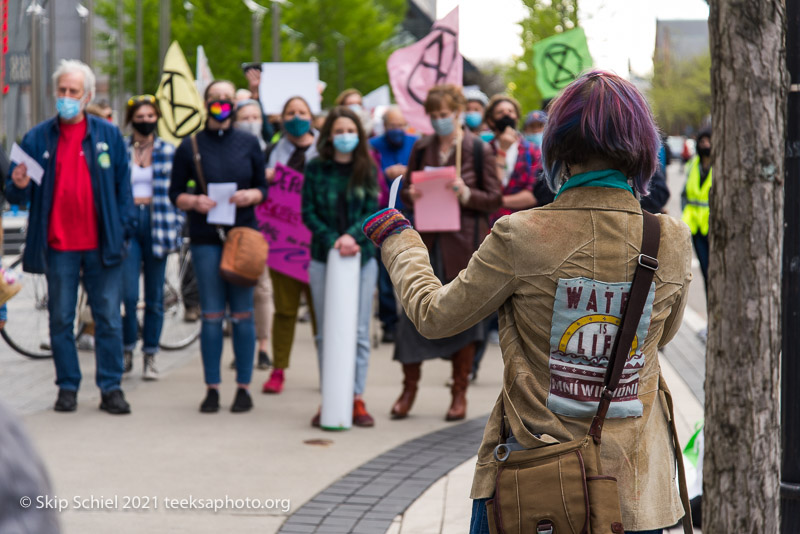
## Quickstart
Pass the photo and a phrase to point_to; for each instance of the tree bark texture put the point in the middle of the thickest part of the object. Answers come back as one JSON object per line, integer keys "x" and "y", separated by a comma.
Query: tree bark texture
{"x": 749, "y": 82}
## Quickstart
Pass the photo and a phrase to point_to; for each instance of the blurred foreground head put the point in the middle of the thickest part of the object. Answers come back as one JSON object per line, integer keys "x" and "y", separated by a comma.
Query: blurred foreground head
{"x": 22, "y": 480}
{"x": 600, "y": 118}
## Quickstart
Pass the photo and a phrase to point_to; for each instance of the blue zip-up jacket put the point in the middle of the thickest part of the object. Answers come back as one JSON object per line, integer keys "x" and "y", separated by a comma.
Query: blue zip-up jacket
{"x": 107, "y": 158}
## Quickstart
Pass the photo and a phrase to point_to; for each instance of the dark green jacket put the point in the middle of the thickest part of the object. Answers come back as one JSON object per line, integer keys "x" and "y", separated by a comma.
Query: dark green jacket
{"x": 331, "y": 208}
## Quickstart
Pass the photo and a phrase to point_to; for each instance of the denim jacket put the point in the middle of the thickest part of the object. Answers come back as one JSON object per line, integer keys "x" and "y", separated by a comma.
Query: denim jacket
{"x": 107, "y": 159}
{"x": 541, "y": 269}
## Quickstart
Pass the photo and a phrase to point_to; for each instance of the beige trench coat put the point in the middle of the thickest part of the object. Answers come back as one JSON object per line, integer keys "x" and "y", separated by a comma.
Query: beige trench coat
{"x": 587, "y": 233}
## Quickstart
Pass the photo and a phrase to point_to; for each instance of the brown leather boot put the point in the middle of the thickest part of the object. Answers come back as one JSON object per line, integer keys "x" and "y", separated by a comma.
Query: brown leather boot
{"x": 411, "y": 374}
{"x": 462, "y": 365}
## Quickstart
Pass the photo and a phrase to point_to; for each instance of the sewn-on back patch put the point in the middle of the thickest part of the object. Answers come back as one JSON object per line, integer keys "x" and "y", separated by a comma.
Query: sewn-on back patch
{"x": 586, "y": 317}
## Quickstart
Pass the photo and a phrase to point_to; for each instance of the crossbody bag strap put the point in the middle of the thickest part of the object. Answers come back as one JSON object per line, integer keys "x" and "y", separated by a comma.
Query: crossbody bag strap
{"x": 684, "y": 491}
{"x": 640, "y": 288}
{"x": 201, "y": 177}
{"x": 198, "y": 167}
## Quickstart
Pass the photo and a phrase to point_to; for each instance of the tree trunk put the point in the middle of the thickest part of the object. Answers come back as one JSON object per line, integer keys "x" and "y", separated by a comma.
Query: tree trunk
{"x": 742, "y": 433}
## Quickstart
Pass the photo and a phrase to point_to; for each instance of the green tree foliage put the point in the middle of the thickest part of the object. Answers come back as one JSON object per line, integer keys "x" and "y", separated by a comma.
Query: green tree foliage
{"x": 544, "y": 19}
{"x": 312, "y": 29}
{"x": 680, "y": 94}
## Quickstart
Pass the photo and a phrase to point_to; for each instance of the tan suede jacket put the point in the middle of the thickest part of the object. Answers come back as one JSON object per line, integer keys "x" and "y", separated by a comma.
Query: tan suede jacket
{"x": 559, "y": 276}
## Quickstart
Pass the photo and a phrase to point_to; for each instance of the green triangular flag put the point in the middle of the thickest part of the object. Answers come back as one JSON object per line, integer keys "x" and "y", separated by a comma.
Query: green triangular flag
{"x": 559, "y": 59}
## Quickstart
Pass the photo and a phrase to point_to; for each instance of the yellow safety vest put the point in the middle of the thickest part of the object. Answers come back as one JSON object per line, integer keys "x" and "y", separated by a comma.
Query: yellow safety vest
{"x": 695, "y": 214}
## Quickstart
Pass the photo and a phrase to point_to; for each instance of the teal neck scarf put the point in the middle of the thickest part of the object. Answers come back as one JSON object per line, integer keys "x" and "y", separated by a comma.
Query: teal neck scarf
{"x": 605, "y": 178}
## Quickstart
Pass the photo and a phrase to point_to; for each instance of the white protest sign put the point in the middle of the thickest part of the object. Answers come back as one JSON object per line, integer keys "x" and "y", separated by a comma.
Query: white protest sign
{"x": 281, "y": 81}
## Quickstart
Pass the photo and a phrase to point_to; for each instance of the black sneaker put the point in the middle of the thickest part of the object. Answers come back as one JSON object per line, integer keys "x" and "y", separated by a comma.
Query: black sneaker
{"x": 114, "y": 403}
{"x": 127, "y": 361}
{"x": 211, "y": 402}
{"x": 388, "y": 336}
{"x": 263, "y": 360}
{"x": 242, "y": 402}
{"x": 67, "y": 401}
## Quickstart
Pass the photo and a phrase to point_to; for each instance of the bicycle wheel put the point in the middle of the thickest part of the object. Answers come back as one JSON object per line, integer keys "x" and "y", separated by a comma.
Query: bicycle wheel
{"x": 177, "y": 332}
{"x": 27, "y": 330}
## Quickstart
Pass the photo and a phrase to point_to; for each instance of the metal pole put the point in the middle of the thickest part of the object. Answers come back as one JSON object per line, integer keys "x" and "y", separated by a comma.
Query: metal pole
{"x": 139, "y": 49}
{"x": 256, "y": 37}
{"x": 340, "y": 64}
{"x": 164, "y": 31}
{"x": 36, "y": 65}
{"x": 50, "y": 107}
{"x": 88, "y": 35}
{"x": 790, "y": 361}
{"x": 120, "y": 60}
{"x": 276, "y": 32}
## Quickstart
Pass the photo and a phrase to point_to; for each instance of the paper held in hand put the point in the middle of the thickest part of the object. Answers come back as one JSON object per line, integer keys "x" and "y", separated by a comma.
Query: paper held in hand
{"x": 35, "y": 171}
{"x": 224, "y": 212}
{"x": 437, "y": 210}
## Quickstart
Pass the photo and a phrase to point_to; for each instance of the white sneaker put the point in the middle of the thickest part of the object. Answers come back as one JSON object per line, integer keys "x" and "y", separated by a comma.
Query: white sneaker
{"x": 150, "y": 372}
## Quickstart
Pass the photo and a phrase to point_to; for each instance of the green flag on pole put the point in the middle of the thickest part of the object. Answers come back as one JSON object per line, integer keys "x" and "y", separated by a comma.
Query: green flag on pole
{"x": 560, "y": 59}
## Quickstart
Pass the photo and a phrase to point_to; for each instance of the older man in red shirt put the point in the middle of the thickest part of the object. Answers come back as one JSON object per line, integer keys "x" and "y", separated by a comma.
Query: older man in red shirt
{"x": 80, "y": 215}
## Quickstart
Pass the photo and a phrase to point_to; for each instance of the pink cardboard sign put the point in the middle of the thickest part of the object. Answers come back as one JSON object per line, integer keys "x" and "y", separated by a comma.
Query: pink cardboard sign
{"x": 433, "y": 60}
{"x": 280, "y": 221}
{"x": 437, "y": 210}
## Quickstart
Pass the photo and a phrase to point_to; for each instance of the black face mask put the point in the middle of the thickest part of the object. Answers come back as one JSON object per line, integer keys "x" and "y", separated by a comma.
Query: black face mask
{"x": 504, "y": 122}
{"x": 703, "y": 152}
{"x": 276, "y": 126}
{"x": 144, "y": 128}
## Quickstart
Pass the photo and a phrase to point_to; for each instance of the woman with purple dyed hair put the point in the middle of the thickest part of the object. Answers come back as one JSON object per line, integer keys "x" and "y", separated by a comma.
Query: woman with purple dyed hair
{"x": 546, "y": 270}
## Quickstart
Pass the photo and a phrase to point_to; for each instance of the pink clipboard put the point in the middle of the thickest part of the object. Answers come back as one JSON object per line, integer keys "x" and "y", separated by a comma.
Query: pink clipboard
{"x": 437, "y": 210}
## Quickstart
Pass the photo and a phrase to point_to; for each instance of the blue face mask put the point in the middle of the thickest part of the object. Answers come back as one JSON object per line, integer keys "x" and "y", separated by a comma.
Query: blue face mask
{"x": 487, "y": 136}
{"x": 297, "y": 126}
{"x": 473, "y": 119}
{"x": 356, "y": 108}
{"x": 395, "y": 137}
{"x": 443, "y": 126}
{"x": 535, "y": 138}
{"x": 346, "y": 142}
{"x": 68, "y": 108}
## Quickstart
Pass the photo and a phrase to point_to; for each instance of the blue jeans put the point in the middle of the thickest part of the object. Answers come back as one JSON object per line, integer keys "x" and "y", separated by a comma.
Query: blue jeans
{"x": 479, "y": 524}
{"x": 366, "y": 291}
{"x": 215, "y": 294}
{"x": 701, "y": 248}
{"x": 102, "y": 286}
{"x": 140, "y": 258}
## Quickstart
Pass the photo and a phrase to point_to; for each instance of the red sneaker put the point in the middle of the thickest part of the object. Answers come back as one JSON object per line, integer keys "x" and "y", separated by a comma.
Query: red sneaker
{"x": 275, "y": 382}
{"x": 360, "y": 415}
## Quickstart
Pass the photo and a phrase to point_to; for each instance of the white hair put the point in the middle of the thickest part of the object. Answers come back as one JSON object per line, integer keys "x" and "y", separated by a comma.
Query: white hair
{"x": 68, "y": 66}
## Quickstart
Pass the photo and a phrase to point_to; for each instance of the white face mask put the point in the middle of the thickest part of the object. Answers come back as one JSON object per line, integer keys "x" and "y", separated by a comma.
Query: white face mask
{"x": 252, "y": 127}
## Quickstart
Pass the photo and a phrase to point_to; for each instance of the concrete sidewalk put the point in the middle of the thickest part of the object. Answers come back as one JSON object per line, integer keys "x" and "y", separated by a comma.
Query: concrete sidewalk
{"x": 167, "y": 449}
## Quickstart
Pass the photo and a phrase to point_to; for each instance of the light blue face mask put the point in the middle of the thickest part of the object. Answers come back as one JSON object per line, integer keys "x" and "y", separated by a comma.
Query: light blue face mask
{"x": 487, "y": 136}
{"x": 473, "y": 119}
{"x": 443, "y": 126}
{"x": 68, "y": 108}
{"x": 345, "y": 142}
{"x": 535, "y": 138}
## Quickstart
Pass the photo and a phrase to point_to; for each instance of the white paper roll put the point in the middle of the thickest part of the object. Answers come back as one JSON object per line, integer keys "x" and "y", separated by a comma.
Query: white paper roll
{"x": 339, "y": 340}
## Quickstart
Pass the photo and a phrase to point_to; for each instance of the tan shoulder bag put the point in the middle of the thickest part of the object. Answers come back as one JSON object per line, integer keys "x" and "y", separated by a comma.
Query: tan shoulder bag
{"x": 562, "y": 488}
{"x": 244, "y": 250}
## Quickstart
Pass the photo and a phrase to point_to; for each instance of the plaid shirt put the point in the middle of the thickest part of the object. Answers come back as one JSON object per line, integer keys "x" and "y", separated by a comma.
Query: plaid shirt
{"x": 166, "y": 220}
{"x": 523, "y": 177}
{"x": 325, "y": 194}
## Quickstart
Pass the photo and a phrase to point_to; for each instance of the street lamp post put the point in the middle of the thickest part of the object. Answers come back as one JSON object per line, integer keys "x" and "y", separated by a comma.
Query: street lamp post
{"x": 340, "y": 59}
{"x": 276, "y": 32}
{"x": 120, "y": 60}
{"x": 86, "y": 40}
{"x": 139, "y": 48}
{"x": 258, "y": 11}
{"x": 790, "y": 361}
{"x": 164, "y": 31}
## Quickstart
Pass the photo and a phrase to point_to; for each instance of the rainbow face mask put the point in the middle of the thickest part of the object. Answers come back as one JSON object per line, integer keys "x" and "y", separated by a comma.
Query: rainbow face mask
{"x": 220, "y": 110}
